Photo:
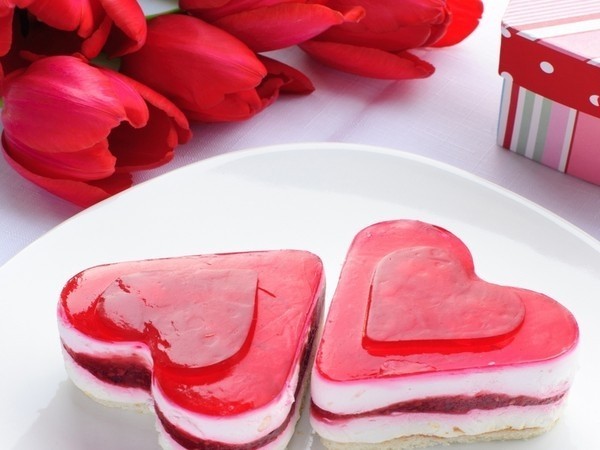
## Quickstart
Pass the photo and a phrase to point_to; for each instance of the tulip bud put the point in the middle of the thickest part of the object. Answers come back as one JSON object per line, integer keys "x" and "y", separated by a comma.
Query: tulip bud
{"x": 380, "y": 45}
{"x": 79, "y": 130}
{"x": 209, "y": 74}
{"x": 30, "y": 29}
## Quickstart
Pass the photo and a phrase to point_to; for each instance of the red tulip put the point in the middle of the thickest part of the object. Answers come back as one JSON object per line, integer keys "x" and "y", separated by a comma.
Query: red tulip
{"x": 265, "y": 25}
{"x": 378, "y": 46}
{"x": 209, "y": 74}
{"x": 242, "y": 105}
{"x": 78, "y": 130}
{"x": 33, "y": 28}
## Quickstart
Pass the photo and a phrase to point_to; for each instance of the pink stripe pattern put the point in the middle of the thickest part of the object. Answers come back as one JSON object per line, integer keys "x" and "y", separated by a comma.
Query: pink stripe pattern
{"x": 550, "y": 62}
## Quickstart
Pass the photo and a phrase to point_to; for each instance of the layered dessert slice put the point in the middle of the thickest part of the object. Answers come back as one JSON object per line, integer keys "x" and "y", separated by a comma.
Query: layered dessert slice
{"x": 216, "y": 345}
{"x": 417, "y": 350}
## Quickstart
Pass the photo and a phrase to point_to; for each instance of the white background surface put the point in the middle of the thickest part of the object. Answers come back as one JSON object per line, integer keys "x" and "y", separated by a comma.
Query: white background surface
{"x": 450, "y": 117}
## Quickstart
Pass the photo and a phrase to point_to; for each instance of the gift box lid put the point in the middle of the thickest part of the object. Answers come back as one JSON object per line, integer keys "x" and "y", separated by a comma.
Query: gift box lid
{"x": 552, "y": 48}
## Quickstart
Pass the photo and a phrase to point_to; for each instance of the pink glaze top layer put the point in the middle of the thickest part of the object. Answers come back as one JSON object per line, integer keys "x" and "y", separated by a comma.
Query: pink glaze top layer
{"x": 409, "y": 302}
{"x": 225, "y": 331}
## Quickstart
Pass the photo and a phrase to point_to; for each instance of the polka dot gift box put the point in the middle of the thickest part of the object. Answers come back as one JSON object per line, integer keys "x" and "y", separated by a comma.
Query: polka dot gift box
{"x": 550, "y": 63}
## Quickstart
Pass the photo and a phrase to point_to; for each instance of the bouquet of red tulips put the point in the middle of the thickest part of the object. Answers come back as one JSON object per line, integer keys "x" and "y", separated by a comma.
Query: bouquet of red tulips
{"x": 93, "y": 89}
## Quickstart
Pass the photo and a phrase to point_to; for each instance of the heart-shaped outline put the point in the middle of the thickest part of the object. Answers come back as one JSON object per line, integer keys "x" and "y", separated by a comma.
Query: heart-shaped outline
{"x": 423, "y": 299}
{"x": 188, "y": 318}
{"x": 548, "y": 331}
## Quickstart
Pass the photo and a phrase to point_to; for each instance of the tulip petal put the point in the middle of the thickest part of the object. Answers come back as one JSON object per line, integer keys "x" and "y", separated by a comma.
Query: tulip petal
{"x": 92, "y": 46}
{"x": 65, "y": 15}
{"x": 269, "y": 91}
{"x": 284, "y": 25}
{"x": 294, "y": 81}
{"x": 246, "y": 104}
{"x": 35, "y": 37}
{"x": 92, "y": 163}
{"x": 62, "y": 104}
{"x": 6, "y": 19}
{"x": 152, "y": 145}
{"x": 234, "y": 107}
{"x": 193, "y": 63}
{"x": 129, "y": 31}
{"x": 211, "y": 10}
{"x": 127, "y": 91}
{"x": 159, "y": 101}
{"x": 385, "y": 16}
{"x": 368, "y": 62}
{"x": 465, "y": 19}
{"x": 80, "y": 193}
{"x": 145, "y": 148}
{"x": 399, "y": 39}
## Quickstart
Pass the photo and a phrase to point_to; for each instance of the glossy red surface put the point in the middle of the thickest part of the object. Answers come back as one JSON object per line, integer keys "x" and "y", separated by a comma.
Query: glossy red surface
{"x": 418, "y": 293}
{"x": 280, "y": 292}
{"x": 408, "y": 302}
{"x": 189, "y": 318}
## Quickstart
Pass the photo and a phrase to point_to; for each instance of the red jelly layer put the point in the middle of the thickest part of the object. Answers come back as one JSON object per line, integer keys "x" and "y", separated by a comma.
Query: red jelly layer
{"x": 193, "y": 443}
{"x": 190, "y": 318}
{"x": 131, "y": 373}
{"x": 288, "y": 290}
{"x": 459, "y": 404}
{"x": 417, "y": 293}
{"x": 361, "y": 341}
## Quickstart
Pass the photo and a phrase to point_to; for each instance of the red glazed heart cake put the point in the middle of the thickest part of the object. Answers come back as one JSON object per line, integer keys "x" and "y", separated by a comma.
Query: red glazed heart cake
{"x": 216, "y": 345}
{"x": 417, "y": 350}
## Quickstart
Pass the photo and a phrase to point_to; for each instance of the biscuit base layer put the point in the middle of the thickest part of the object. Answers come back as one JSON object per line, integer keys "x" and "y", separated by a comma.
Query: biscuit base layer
{"x": 421, "y": 441}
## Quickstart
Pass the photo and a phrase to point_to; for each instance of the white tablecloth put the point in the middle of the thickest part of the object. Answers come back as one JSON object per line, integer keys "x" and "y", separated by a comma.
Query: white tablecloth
{"x": 450, "y": 117}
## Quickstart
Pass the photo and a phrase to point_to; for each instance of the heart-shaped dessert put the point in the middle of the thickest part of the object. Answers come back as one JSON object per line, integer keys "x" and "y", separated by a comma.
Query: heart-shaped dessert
{"x": 216, "y": 345}
{"x": 418, "y": 350}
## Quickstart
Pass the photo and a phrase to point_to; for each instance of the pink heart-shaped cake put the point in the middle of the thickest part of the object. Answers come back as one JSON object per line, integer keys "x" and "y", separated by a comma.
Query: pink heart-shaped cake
{"x": 418, "y": 350}
{"x": 216, "y": 345}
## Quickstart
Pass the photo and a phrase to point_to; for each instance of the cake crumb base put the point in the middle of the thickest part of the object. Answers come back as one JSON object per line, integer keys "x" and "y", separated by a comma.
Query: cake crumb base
{"x": 422, "y": 441}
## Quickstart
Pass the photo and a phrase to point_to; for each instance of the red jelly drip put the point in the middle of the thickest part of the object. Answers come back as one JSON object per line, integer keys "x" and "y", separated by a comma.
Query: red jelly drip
{"x": 458, "y": 404}
{"x": 359, "y": 342}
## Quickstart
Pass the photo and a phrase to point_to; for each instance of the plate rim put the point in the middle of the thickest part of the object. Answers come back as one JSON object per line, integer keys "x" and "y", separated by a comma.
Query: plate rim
{"x": 250, "y": 152}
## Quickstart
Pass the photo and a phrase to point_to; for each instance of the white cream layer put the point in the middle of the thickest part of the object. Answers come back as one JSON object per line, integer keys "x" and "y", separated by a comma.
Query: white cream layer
{"x": 238, "y": 429}
{"x": 279, "y": 443}
{"x": 379, "y": 429}
{"x": 241, "y": 429}
{"x": 541, "y": 380}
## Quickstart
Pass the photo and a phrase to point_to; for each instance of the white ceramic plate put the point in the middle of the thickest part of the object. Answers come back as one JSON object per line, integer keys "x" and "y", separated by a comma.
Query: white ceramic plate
{"x": 306, "y": 196}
